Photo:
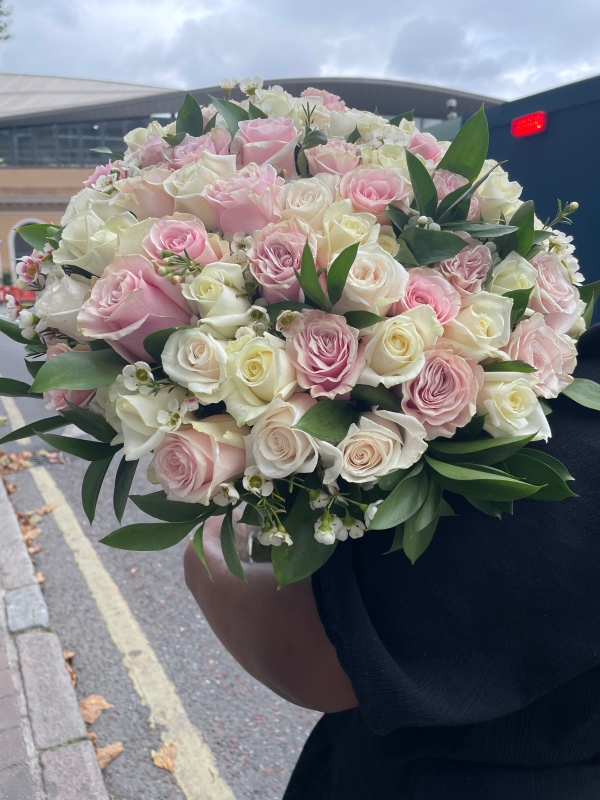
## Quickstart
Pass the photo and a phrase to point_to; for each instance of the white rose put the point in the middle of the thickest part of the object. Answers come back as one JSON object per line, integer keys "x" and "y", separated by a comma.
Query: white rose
{"x": 197, "y": 361}
{"x": 89, "y": 242}
{"x": 274, "y": 101}
{"x": 144, "y": 194}
{"x": 389, "y": 156}
{"x": 139, "y": 419}
{"x": 104, "y": 403}
{"x": 482, "y": 326}
{"x": 307, "y": 199}
{"x": 342, "y": 227}
{"x": 58, "y": 305}
{"x": 497, "y": 195}
{"x": 185, "y": 185}
{"x": 511, "y": 406}
{"x": 278, "y": 449}
{"x": 138, "y": 137}
{"x": 512, "y": 274}
{"x": 375, "y": 281}
{"x": 395, "y": 347}
{"x": 89, "y": 200}
{"x": 387, "y": 240}
{"x": 217, "y": 296}
{"x": 381, "y": 442}
{"x": 260, "y": 371}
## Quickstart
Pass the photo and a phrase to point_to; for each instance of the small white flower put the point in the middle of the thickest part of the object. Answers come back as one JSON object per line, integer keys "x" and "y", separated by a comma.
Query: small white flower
{"x": 189, "y": 405}
{"x": 171, "y": 419}
{"x": 228, "y": 84}
{"x": 289, "y": 323}
{"x": 136, "y": 375}
{"x": 328, "y": 528}
{"x": 255, "y": 482}
{"x": 273, "y": 535}
{"x": 371, "y": 511}
{"x": 12, "y": 306}
{"x": 226, "y": 494}
{"x": 27, "y": 322}
{"x": 318, "y": 499}
{"x": 250, "y": 85}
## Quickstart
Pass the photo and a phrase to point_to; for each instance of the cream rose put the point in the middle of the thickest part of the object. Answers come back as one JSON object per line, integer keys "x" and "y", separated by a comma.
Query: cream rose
{"x": 342, "y": 227}
{"x": 58, "y": 305}
{"x": 217, "y": 296}
{"x": 388, "y": 156}
{"x": 89, "y": 242}
{"x": 497, "y": 195}
{"x": 482, "y": 326}
{"x": 375, "y": 281}
{"x": 186, "y": 185}
{"x": 138, "y": 413}
{"x": 89, "y": 200}
{"x": 514, "y": 273}
{"x": 197, "y": 361}
{"x": 395, "y": 348}
{"x": 260, "y": 371}
{"x": 509, "y": 401}
{"x": 307, "y": 199}
{"x": 144, "y": 195}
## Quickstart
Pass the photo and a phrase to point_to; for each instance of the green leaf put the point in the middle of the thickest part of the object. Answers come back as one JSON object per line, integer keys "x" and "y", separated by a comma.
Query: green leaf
{"x": 148, "y": 535}
{"x": 256, "y": 113}
{"x": 392, "y": 479}
{"x": 155, "y": 343}
{"x": 337, "y": 274}
{"x": 479, "y": 451}
{"x": 428, "y": 247}
{"x": 90, "y": 423}
{"x": 467, "y": 153}
{"x": 88, "y": 451}
{"x": 313, "y": 139}
{"x": 252, "y": 516}
{"x": 485, "y": 506}
{"x": 189, "y": 117}
{"x": 309, "y": 280}
{"x": 377, "y": 396}
{"x": 302, "y": 163}
{"x": 156, "y": 505}
{"x": 404, "y": 501}
{"x": 354, "y": 136}
{"x": 589, "y": 293}
{"x": 106, "y": 151}
{"x": 416, "y": 540}
{"x": 409, "y": 115}
{"x": 231, "y": 113}
{"x": 535, "y": 471}
{"x": 12, "y": 330}
{"x": 397, "y": 217}
{"x": 35, "y": 235}
{"x": 508, "y": 366}
{"x": 174, "y": 140}
{"x": 275, "y": 309}
{"x": 422, "y": 184}
{"x": 92, "y": 483}
{"x": 541, "y": 236}
{"x": 328, "y": 420}
{"x": 404, "y": 256}
{"x": 33, "y": 367}
{"x": 199, "y": 548}
{"x": 12, "y": 388}
{"x": 477, "y": 481}
{"x": 123, "y": 481}
{"x": 546, "y": 407}
{"x": 584, "y": 392}
{"x": 76, "y": 370}
{"x": 520, "y": 298}
{"x": 362, "y": 319}
{"x": 522, "y": 240}
{"x": 458, "y": 202}
{"x": 472, "y": 429}
{"x": 211, "y": 124}
{"x": 47, "y": 424}
{"x": 298, "y": 561}
{"x": 480, "y": 230}
{"x": 230, "y": 553}
{"x": 398, "y": 542}
{"x": 551, "y": 462}
{"x": 446, "y": 509}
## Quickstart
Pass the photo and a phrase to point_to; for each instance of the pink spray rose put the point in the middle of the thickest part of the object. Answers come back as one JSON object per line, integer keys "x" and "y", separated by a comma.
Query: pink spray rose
{"x": 151, "y": 152}
{"x": 274, "y": 255}
{"x": 144, "y": 195}
{"x": 448, "y": 182}
{"x": 56, "y": 399}
{"x": 553, "y": 355}
{"x": 186, "y": 234}
{"x": 558, "y": 298}
{"x": 427, "y": 287}
{"x": 192, "y": 148}
{"x": 326, "y": 354}
{"x": 426, "y": 146}
{"x": 443, "y": 395}
{"x": 333, "y": 102}
{"x": 267, "y": 141}
{"x": 102, "y": 171}
{"x": 190, "y": 465}
{"x": 372, "y": 190}
{"x": 128, "y": 303}
{"x": 337, "y": 157}
{"x": 467, "y": 270}
{"x": 247, "y": 201}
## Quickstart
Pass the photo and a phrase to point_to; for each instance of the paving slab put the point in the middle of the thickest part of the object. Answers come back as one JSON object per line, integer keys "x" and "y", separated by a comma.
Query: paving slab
{"x": 12, "y": 748}
{"x": 16, "y": 784}
{"x": 26, "y": 608}
{"x": 72, "y": 773}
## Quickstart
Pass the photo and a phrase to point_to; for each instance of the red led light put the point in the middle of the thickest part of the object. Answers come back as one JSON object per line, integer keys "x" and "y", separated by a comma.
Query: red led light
{"x": 529, "y": 124}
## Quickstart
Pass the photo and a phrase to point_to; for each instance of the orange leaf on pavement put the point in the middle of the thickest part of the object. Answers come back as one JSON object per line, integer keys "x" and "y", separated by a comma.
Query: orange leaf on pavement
{"x": 165, "y": 757}
{"x": 91, "y": 707}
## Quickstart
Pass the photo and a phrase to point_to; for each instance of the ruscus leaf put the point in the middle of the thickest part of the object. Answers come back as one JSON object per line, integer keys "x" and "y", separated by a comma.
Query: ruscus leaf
{"x": 467, "y": 153}
{"x": 328, "y": 420}
{"x": 230, "y": 553}
{"x": 143, "y": 536}
{"x": 123, "y": 481}
{"x": 231, "y": 113}
{"x": 92, "y": 484}
{"x": 337, "y": 273}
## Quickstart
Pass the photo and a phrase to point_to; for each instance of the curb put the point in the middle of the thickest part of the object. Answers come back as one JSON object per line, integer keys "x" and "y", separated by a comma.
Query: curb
{"x": 44, "y": 750}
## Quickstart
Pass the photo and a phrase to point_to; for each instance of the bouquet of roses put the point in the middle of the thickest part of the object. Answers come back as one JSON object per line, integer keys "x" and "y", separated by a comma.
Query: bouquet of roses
{"x": 324, "y": 320}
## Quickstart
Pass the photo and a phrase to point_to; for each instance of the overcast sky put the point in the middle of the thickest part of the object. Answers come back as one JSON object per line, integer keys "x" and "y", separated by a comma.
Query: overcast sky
{"x": 506, "y": 49}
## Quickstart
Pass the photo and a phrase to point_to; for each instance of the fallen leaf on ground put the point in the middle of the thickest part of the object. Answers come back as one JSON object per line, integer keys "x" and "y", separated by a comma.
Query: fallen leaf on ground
{"x": 107, "y": 754}
{"x": 37, "y": 512}
{"x": 91, "y": 707}
{"x": 11, "y": 488}
{"x": 165, "y": 757}
{"x": 39, "y": 577}
{"x": 93, "y": 737}
{"x": 14, "y": 462}
{"x": 37, "y": 548}
{"x": 68, "y": 656}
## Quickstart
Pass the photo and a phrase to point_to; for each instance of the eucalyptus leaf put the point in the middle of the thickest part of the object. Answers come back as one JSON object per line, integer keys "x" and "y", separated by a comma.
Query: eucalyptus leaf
{"x": 404, "y": 501}
{"x": 508, "y": 366}
{"x": 328, "y": 420}
{"x": 149, "y": 535}
{"x": 123, "y": 481}
{"x": 230, "y": 553}
{"x": 231, "y": 113}
{"x": 467, "y": 153}
{"x": 337, "y": 274}
{"x": 92, "y": 484}
{"x": 377, "y": 396}
{"x": 423, "y": 186}
{"x": 429, "y": 247}
{"x": 46, "y": 424}
{"x": 189, "y": 118}
{"x": 584, "y": 392}
{"x": 88, "y": 451}
{"x": 362, "y": 319}
{"x": 75, "y": 370}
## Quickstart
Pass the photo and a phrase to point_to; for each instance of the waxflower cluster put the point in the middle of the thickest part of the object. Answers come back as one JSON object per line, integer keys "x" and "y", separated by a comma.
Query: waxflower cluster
{"x": 289, "y": 317}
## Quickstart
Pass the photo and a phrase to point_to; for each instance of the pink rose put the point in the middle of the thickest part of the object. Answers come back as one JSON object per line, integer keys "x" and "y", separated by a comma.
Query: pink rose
{"x": 557, "y": 297}
{"x": 103, "y": 171}
{"x": 144, "y": 195}
{"x": 426, "y": 146}
{"x": 267, "y": 141}
{"x": 443, "y": 395}
{"x": 190, "y": 465}
{"x": 151, "y": 152}
{"x": 247, "y": 201}
{"x": 331, "y": 101}
{"x": 192, "y": 148}
{"x": 326, "y": 354}
{"x": 56, "y": 399}
{"x": 448, "y": 182}
{"x": 128, "y": 303}
{"x": 553, "y": 355}
{"x": 372, "y": 190}
{"x": 467, "y": 270}
{"x": 186, "y": 234}
{"x": 426, "y": 287}
{"x": 275, "y": 253}
{"x": 337, "y": 157}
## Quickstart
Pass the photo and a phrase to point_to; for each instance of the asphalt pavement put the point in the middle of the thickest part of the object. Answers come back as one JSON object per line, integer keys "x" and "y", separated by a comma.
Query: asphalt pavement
{"x": 255, "y": 737}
